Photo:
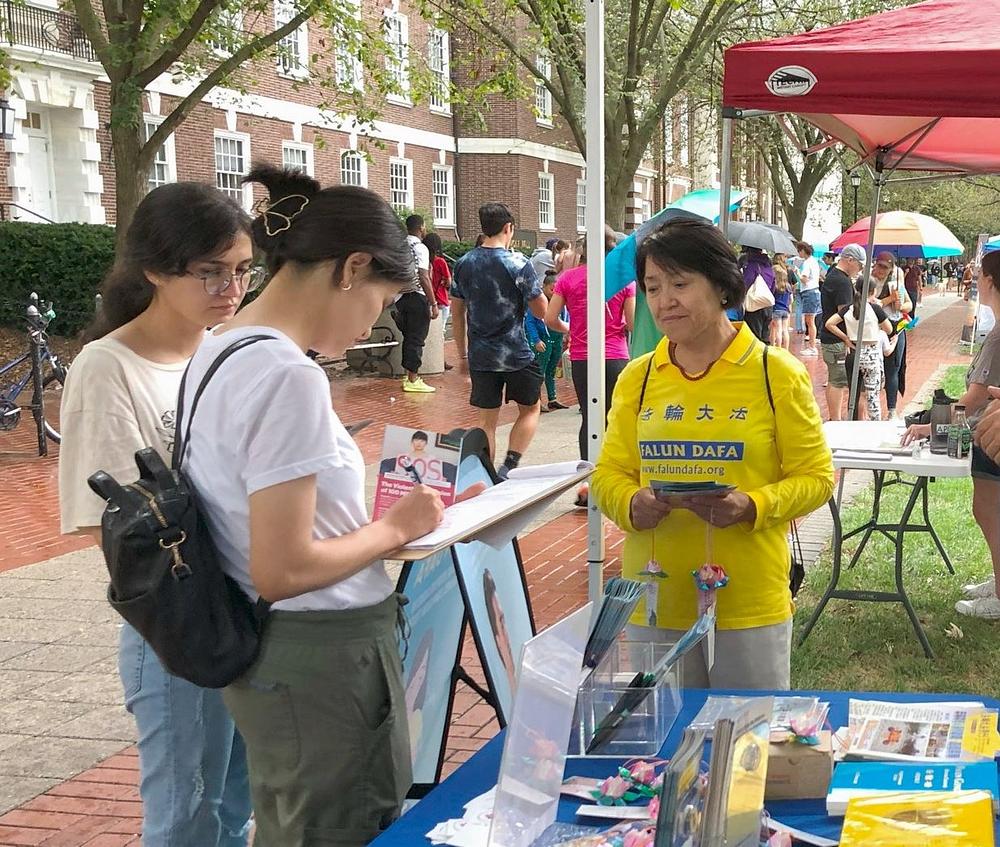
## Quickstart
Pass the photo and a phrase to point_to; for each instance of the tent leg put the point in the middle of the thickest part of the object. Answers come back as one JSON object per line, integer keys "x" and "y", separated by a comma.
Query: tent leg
{"x": 853, "y": 393}
{"x": 595, "y": 281}
{"x": 726, "y": 172}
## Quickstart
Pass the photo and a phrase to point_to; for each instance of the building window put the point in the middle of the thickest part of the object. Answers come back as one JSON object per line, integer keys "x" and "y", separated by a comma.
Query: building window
{"x": 229, "y": 27}
{"x": 668, "y": 136}
{"x": 397, "y": 62}
{"x": 293, "y": 49}
{"x": 352, "y": 169}
{"x": 439, "y": 60}
{"x": 684, "y": 135}
{"x": 546, "y": 202}
{"x": 543, "y": 97}
{"x": 443, "y": 195}
{"x": 581, "y": 205}
{"x": 297, "y": 156}
{"x": 401, "y": 184}
{"x": 647, "y": 211}
{"x": 232, "y": 153}
{"x": 164, "y": 167}
{"x": 350, "y": 71}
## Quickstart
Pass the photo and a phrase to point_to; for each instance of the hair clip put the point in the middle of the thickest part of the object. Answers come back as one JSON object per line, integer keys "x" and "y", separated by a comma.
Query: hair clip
{"x": 265, "y": 208}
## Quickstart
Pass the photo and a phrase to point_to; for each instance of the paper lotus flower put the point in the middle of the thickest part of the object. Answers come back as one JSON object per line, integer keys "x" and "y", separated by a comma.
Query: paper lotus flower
{"x": 640, "y": 837}
{"x": 614, "y": 787}
{"x": 710, "y": 577}
{"x": 653, "y": 569}
{"x": 654, "y": 807}
{"x": 642, "y": 772}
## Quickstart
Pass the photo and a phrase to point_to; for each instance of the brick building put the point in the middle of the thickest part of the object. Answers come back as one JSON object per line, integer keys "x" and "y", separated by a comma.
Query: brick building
{"x": 59, "y": 166}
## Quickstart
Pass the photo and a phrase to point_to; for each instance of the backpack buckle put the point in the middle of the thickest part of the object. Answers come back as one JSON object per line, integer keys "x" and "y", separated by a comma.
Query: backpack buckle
{"x": 179, "y": 569}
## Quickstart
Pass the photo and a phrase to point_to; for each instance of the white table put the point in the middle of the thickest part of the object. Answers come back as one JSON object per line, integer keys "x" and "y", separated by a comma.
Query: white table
{"x": 866, "y": 438}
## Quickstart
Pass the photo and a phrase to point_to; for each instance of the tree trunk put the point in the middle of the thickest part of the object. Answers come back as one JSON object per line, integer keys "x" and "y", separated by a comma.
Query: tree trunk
{"x": 131, "y": 178}
{"x": 617, "y": 185}
{"x": 796, "y": 215}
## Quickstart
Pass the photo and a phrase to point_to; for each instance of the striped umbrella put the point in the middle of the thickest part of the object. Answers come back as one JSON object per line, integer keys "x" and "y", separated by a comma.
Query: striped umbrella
{"x": 907, "y": 234}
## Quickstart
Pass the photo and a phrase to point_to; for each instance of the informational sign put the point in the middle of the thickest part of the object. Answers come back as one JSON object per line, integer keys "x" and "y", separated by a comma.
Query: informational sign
{"x": 436, "y": 617}
{"x": 412, "y": 454}
{"x": 525, "y": 240}
{"x": 496, "y": 596}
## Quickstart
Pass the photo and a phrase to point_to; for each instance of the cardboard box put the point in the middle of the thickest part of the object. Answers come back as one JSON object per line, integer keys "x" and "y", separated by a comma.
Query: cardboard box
{"x": 798, "y": 771}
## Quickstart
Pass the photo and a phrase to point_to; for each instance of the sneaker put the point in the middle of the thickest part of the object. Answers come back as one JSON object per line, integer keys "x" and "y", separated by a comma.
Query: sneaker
{"x": 418, "y": 386}
{"x": 808, "y": 351}
{"x": 980, "y": 590}
{"x": 555, "y": 404}
{"x": 985, "y": 607}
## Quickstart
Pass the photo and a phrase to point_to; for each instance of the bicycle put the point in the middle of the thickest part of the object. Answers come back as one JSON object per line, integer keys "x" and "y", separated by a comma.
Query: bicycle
{"x": 44, "y": 369}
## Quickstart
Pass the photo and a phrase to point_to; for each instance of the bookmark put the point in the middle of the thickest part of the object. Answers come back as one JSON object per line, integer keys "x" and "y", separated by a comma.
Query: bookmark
{"x": 652, "y": 574}
{"x": 708, "y": 579}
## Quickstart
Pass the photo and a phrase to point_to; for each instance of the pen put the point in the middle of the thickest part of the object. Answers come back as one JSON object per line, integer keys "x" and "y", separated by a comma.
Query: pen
{"x": 411, "y": 470}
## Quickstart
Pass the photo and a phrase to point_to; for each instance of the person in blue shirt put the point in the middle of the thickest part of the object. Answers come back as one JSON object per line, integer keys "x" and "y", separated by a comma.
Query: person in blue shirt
{"x": 492, "y": 290}
{"x": 547, "y": 345}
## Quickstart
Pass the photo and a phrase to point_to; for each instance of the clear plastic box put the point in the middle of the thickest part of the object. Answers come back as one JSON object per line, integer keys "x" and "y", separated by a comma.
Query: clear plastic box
{"x": 647, "y": 723}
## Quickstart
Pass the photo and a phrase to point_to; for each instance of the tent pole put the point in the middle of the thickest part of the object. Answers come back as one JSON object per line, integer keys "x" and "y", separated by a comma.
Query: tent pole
{"x": 595, "y": 281}
{"x": 726, "y": 169}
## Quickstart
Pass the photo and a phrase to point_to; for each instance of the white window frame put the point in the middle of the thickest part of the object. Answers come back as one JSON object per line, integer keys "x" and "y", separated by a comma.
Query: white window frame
{"x": 684, "y": 133}
{"x": 543, "y": 97}
{"x": 150, "y": 123}
{"x": 284, "y": 11}
{"x": 647, "y": 210}
{"x": 363, "y": 167}
{"x": 397, "y": 60}
{"x": 247, "y": 190}
{"x": 408, "y": 164}
{"x": 299, "y": 146}
{"x": 440, "y": 96}
{"x": 581, "y": 205}
{"x": 547, "y": 223}
{"x": 668, "y": 135}
{"x": 234, "y": 18}
{"x": 350, "y": 73}
{"x": 449, "y": 175}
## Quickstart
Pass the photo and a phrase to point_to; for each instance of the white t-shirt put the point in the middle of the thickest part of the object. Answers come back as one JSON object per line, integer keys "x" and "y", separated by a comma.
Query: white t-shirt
{"x": 871, "y": 325}
{"x": 894, "y": 283}
{"x": 265, "y": 419}
{"x": 423, "y": 257}
{"x": 809, "y": 274}
{"x": 115, "y": 402}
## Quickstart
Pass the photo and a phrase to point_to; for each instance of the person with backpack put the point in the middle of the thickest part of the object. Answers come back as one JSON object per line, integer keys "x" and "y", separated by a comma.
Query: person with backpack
{"x": 185, "y": 264}
{"x": 711, "y": 404}
{"x": 281, "y": 485}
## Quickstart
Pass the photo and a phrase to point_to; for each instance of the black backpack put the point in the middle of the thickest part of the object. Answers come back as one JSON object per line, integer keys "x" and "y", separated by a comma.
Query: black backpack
{"x": 165, "y": 576}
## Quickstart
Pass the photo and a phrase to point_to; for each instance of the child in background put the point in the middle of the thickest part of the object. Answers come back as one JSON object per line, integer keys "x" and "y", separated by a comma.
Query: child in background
{"x": 548, "y": 345}
{"x": 440, "y": 281}
{"x": 781, "y": 313}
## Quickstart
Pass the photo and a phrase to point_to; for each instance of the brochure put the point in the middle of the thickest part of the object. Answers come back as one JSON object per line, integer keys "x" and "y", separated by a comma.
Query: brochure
{"x": 929, "y": 819}
{"x": 684, "y": 795}
{"x": 410, "y": 456}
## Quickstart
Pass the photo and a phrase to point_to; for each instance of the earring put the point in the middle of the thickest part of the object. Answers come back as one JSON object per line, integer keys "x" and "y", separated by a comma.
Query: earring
{"x": 725, "y": 301}
{"x": 347, "y": 287}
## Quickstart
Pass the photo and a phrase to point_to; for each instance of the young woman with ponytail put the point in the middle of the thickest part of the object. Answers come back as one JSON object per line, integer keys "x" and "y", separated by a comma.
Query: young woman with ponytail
{"x": 281, "y": 485}
{"x": 184, "y": 266}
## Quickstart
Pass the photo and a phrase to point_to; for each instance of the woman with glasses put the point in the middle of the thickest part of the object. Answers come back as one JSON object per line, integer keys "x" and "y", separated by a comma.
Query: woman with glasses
{"x": 185, "y": 265}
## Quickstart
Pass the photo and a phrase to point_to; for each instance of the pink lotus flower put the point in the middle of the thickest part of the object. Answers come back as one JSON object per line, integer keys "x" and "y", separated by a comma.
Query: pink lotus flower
{"x": 643, "y": 772}
{"x": 654, "y": 807}
{"x": 614, "y": 787}
{"x": 640, "y": 837}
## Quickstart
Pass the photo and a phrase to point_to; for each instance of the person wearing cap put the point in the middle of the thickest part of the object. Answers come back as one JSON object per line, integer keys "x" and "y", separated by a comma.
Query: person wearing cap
{"x": 836, "y": 292}
{"x": 895, "y": 301}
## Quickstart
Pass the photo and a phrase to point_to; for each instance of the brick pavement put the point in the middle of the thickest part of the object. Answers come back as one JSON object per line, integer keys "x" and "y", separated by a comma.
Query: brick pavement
{"x": 100, "y": 806}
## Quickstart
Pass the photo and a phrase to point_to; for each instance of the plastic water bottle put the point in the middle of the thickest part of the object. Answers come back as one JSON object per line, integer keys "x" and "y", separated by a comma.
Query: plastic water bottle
{"x": 940, "y": 422}
{"x": 959, "y": 435}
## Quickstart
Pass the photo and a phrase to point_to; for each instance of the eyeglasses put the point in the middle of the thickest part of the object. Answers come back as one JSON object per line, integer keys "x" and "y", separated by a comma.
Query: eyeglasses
{"x": 219, "y": 282}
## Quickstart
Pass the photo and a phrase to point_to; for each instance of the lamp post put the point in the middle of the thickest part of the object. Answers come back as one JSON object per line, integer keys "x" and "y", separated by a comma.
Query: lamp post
{"x": 856, "y": 183}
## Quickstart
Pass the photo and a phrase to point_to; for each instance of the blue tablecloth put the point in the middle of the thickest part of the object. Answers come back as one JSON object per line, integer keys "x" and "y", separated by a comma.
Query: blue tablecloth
{"x": 479, "y": 774}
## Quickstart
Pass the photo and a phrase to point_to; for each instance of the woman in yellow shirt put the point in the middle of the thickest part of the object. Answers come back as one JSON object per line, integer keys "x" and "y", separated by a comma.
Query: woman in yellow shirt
{"x": 709, "y": 405}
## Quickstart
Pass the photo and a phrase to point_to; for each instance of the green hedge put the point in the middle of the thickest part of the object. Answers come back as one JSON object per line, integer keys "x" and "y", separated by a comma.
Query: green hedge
{"x": 454, "y": 250}
{"x": 64, "y": 263}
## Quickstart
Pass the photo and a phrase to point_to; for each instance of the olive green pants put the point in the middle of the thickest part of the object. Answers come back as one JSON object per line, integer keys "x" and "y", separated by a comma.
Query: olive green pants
{"x": 324, "y": 719}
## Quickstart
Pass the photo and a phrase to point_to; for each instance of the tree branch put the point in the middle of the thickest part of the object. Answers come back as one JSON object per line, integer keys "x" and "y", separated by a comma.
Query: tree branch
{"x": 91, "y": 27}
{"x": 214, "y": 78}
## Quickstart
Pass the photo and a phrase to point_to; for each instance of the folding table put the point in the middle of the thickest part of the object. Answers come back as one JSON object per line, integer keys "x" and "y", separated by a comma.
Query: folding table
{"x": 865, "y": 438}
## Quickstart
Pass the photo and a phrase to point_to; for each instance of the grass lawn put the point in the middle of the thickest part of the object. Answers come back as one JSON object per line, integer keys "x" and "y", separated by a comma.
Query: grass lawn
{"x": 871, "y": 646}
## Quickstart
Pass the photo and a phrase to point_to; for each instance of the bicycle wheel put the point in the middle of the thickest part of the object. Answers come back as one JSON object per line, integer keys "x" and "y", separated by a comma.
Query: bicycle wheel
{"x": 52, "y": 433}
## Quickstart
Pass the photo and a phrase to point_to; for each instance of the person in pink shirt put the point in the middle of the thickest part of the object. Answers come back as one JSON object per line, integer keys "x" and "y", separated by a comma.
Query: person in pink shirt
{"x": 571, "y": 292}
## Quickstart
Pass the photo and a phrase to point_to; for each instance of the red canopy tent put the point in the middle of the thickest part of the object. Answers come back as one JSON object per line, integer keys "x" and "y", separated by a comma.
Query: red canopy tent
{"x": 916, "y": 88}
{"x": 921, "y": 84}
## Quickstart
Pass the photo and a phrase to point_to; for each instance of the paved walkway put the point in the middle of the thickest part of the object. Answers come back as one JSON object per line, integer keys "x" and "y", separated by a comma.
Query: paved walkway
{"x": 67, "y": 772}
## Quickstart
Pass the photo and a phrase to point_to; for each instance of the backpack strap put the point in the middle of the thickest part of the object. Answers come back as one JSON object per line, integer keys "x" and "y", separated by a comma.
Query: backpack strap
{"x": 767, "y": 383}
{"x": 180, "y": 443}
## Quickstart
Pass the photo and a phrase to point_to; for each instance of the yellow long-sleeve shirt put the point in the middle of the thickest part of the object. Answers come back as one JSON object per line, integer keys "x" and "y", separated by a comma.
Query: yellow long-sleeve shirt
{"x": 718, "y": 427}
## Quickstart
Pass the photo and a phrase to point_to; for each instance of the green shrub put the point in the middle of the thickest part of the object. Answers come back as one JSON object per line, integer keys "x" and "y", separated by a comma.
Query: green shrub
{"x": 64, "y": 263}
{"x": 454, "y": 250}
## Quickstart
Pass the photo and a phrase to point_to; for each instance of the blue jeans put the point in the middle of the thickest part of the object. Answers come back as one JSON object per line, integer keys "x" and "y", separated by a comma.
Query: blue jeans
{"x": 192, "y": 763}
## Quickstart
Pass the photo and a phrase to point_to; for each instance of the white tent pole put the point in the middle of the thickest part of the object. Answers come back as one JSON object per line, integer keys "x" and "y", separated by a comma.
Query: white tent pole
{"x": 595, "y": 279}
{"x": 726, "y": 172}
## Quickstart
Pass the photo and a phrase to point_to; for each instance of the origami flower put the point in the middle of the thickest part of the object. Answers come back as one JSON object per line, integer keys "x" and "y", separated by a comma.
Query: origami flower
{"x": 614, "y": 787}
{"x": 653, "y": 569}
{"x": 654, "y": 807}
{"x": 710, "y": 577}
{"x": 642, "y": 772}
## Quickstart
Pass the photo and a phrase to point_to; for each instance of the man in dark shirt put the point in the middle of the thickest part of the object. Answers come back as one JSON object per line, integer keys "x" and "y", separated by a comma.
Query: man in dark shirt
{"x": 837, "y": 291}
{"x": 914, "y": 281}
{"x": 491, "y": 290}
